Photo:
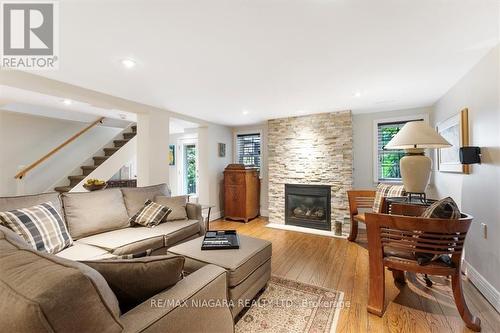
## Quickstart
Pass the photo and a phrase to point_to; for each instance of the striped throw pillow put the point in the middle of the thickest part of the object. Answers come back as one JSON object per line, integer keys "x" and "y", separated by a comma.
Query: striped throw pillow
{"x": 385, "y": 191}
{"x": 41, "y": 226}
{"x": 150, "y": 215}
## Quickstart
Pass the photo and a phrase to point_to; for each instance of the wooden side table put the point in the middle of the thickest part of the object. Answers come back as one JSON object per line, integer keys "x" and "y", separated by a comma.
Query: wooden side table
{"x": 209, "y": 207}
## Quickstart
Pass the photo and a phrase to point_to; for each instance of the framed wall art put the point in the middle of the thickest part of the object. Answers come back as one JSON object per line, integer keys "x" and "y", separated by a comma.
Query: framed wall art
{"x": 456, "y": 131}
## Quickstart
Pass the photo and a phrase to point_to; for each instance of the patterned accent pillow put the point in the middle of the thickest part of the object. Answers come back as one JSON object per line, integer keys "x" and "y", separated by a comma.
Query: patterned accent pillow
{"x": 150, "y": 215}
{"x": 445, "y": 208}
{"x": 41, "y": 226}
{"x": 385, "y": 191}
{"x": 142, "y": 254}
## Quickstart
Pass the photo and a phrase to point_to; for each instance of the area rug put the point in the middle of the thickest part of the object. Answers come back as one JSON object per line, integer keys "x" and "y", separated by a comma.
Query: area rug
{"x": 291, "y": 306}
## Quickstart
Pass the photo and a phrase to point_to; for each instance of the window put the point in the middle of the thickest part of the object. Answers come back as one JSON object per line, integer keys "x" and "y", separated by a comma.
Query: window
{"x": 387, "y": 161}
{"x": 248, "y": 149}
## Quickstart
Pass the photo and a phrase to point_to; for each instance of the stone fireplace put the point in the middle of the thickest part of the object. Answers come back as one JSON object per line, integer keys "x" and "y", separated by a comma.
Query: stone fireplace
{"x": 310, "y": 150}
{"x": 308, "y": 206}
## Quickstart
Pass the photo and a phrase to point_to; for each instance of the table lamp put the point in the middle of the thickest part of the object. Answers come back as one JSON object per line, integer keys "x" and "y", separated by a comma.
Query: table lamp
{"x": 414, "y": 137}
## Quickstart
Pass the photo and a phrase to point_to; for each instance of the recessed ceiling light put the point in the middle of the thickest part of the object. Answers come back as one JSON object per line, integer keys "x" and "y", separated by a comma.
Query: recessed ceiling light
{"x": 245, "y": 112}
{"x": 357, "y": 94}
{"x": 67, "y": 101}
{"x": 128, "y": 63}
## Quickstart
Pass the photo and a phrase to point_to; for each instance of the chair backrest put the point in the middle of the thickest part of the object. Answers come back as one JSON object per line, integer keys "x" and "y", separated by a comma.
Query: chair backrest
{"x": 406, "y": 209}
{"x": 417, "y": 234}
{"x": 360, "y": 199}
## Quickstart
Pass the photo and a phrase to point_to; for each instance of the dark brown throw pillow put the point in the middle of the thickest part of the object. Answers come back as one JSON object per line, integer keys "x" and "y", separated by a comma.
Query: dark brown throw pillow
{"x": 443, "y": 209}
{"x": 135, "y": 280}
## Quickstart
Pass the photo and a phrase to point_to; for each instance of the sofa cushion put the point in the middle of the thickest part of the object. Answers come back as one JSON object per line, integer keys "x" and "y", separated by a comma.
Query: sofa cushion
{"x": 150, "y": 215}
{"x": 135, "y": 197}
{"x": 44, "y": 291}
{"x": 128, "y": 240}
{"x": 177, "y": 204}
{"x": 81, "y": 251}
{"x": 239, "y": 263}
{"x": 41, "y": 226}
{"x": 10, "y": 203}
{"x": 94, "y": 212}
{"x": 176, "y": 231}
{"x": 135, "y": 280}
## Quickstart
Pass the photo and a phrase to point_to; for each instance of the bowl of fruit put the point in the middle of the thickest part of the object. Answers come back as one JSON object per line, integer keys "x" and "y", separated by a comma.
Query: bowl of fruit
{"x": 95, "y": 184}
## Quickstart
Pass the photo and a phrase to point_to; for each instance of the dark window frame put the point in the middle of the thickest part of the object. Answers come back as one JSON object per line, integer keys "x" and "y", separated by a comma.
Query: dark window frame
{"x": 249, "y": 149}
{"x": 387, "y": 161}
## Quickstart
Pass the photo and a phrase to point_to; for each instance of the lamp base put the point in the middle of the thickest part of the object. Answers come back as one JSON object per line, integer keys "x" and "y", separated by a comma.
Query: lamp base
{"x": 416, "y": 172}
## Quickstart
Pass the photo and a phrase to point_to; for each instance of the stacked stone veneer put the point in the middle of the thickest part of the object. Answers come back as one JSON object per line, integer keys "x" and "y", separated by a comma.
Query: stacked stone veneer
{"x": 315, "y": 149}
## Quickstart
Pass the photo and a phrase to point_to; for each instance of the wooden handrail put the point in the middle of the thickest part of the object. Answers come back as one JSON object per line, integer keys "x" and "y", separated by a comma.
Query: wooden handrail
{"x": 24, "y": 171}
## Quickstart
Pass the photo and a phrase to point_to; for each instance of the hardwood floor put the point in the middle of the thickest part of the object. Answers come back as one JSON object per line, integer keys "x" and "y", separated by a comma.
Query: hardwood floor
{"x": 341, "y": 265}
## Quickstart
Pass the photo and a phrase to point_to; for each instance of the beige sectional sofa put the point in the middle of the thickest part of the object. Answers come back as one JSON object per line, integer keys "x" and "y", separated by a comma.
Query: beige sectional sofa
{"x": 58, "y": 293}
{"x": 98, "y": 221}
{"x": 45, "y": 293}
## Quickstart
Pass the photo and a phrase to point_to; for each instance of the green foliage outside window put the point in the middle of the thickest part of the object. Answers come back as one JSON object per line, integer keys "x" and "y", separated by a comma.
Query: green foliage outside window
{"x": 388, "y": 160}
{"x": 191, "y": 169}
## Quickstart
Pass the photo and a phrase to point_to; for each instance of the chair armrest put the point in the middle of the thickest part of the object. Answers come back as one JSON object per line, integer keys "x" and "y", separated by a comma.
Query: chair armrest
{"x": 197, "y": 303}
{"x": 193, "y": 211}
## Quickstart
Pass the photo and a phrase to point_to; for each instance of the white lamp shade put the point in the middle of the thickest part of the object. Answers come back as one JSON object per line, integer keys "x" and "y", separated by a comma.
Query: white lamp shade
{"x": 417, "y": 135}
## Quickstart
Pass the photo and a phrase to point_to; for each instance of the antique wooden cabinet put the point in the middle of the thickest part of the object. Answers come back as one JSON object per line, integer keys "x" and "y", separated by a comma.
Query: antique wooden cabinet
{"x": 241, "y": 192}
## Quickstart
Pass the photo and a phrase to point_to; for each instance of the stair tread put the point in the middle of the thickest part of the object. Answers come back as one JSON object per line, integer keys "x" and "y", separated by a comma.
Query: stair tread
{"x": 128, "y": 136}
{"x": 88, "y": 167}
{"x": 63, "y": 188}
{"x": 111, "y": 149}
{"x": 100, "y": 157}
{"x": 77, "y": 177}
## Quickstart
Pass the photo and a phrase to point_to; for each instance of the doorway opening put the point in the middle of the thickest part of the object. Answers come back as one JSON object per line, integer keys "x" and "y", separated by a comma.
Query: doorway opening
{"x": 189, "y": 168}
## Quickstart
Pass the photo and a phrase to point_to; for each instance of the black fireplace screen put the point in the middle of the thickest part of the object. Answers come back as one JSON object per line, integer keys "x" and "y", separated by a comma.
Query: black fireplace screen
{"x": 308, "y": 206}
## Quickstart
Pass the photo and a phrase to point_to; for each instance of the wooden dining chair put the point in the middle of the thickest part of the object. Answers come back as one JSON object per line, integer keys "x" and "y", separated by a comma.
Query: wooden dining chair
{"x": 392, "y": 243}
{"x": 358, "y": 199}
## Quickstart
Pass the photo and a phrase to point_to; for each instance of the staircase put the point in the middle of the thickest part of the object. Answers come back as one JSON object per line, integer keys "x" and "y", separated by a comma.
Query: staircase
{"x": 98, "y": 160}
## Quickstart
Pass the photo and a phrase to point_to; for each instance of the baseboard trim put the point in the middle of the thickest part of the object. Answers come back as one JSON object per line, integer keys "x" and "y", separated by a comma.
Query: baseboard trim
{"x": 304, "y": 230}
{"x": 486, "y": 289}
{"x": 215, "y": 215}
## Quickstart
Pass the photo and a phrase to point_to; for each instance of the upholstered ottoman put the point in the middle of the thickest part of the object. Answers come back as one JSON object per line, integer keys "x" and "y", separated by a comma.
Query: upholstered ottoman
{"x": 249, "y": 267}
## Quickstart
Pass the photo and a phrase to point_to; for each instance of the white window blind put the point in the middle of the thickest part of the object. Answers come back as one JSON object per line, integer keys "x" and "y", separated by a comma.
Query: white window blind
{"x": 388, "y": 160}
{"x": 248, "y": 149}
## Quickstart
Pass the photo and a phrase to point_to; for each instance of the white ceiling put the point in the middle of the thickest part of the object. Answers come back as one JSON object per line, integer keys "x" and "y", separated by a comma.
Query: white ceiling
{"x": 219, "y": 59}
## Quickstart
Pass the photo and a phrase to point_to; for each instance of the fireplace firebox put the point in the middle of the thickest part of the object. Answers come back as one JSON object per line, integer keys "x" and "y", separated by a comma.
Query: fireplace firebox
{"x": 308, "y": 206}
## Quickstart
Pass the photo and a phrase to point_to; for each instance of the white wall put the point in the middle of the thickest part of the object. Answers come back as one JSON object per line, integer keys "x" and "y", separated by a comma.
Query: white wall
{"x": 153, "y": 136}
{"x": 479, "y": 192}
{"x": 264, "y": 179}
{"x": 363, "y": 142}
{"x": 211, "y": 166}
{"x": 25, "y": 138}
